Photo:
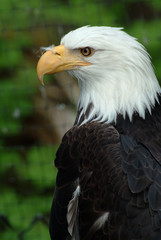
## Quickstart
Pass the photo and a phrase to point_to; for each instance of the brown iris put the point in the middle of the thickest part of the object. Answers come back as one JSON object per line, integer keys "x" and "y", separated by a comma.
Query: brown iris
{"x": 87, "y": 51}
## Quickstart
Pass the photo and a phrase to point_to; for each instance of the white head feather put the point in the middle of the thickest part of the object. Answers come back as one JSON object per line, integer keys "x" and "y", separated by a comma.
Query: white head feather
{"x": 120, "y": 79}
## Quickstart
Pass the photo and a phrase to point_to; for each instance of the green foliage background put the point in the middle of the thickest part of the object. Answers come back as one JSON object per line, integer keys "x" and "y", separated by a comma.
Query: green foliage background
{"x": 26, "y": 172}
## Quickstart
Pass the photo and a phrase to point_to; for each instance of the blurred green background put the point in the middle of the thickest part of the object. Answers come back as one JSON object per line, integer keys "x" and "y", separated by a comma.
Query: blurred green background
{"x": 34, "y": 118}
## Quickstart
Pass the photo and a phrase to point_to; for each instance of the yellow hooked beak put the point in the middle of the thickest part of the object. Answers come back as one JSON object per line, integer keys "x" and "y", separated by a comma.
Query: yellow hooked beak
{"x": 58, "y": 59}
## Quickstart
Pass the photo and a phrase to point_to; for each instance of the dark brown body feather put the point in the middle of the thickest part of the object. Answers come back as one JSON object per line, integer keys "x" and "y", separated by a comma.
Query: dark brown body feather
{"x": 118, "y": 168}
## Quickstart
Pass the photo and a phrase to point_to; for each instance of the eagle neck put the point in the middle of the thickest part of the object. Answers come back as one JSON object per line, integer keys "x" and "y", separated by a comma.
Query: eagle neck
{"x": 103, "y": 99}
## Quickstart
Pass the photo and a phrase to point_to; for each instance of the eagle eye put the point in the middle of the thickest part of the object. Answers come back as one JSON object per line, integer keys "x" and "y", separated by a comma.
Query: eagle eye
{"x": 86, "y": 52}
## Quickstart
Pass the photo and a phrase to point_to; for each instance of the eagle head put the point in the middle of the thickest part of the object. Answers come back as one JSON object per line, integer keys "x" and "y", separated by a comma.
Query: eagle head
{"x": 113, "y": 69}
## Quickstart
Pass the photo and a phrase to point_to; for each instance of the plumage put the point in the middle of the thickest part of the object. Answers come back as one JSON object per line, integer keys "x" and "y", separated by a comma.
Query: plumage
{"x": 109, "y": 163}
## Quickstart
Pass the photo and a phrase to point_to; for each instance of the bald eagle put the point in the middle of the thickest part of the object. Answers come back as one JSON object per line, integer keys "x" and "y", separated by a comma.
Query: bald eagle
{"x": 109, "y": 163}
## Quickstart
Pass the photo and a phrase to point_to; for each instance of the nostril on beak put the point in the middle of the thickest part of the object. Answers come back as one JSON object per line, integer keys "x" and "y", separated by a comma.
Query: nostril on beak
{"x": 56, "y": 53}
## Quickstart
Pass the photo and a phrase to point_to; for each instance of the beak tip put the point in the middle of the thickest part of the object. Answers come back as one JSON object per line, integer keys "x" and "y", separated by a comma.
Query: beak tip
{"x": 40, "y": 77}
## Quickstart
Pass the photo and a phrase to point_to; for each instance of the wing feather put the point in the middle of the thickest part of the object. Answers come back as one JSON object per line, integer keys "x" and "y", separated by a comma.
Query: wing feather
{"x": 118, "y": 176}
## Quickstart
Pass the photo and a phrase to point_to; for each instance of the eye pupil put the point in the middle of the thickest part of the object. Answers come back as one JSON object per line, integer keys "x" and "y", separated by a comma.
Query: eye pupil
{"x": 86, "y": 51}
